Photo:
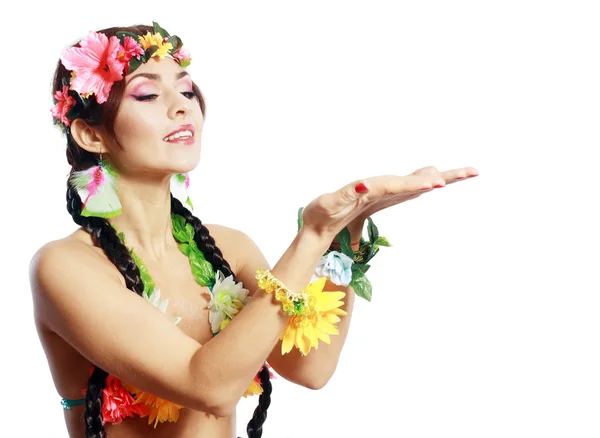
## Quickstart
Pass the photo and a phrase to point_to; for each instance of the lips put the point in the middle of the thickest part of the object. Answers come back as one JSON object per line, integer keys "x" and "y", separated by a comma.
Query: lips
{"x": 183, "y": 134}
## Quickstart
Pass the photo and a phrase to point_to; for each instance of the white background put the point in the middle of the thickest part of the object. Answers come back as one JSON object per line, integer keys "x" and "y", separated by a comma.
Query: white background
{"x": 485, "y": 316}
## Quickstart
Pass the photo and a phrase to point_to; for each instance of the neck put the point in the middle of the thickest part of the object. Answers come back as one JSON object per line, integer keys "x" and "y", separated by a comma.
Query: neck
{"x": 146, "y": 216}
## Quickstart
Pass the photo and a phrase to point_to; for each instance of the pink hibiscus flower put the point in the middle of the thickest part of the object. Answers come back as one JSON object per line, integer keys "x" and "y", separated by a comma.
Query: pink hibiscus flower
{"x": 131, "y": 49}
{"x": 64, "y": 103}
{"x": 95, "y": 63}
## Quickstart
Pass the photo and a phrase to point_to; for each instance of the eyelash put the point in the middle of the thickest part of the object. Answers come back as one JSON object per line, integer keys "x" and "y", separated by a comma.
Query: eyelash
{"x": 150, "y": 97}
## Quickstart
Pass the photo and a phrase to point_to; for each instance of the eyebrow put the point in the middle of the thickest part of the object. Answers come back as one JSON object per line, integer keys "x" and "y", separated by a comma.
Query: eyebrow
{"x": 156, "y": 77}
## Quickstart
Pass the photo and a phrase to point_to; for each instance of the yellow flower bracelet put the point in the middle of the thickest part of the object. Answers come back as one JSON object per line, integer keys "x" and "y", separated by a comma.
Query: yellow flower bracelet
{"x": 292, "y": 303}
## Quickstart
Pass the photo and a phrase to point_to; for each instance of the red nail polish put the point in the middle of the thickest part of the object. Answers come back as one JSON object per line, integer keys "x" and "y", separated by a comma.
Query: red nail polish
{"x": 361, "y": 188}
{"x": 439, "y": 186}
{"x": 427, "y": 188}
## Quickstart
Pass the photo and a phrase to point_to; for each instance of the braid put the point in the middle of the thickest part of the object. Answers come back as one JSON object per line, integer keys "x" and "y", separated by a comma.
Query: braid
{"x": 259, "y": 417}
{"x": 206, "y": 244}
{"x": 93, "y": 404}
{"x": 105, "y": 237}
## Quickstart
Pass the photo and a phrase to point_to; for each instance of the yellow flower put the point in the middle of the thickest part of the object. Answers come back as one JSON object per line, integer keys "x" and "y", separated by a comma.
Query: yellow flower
{"x": 161, "y": 410}
{"x": 304, "y": 332}
{"x": 156, "y": 39}
{"x": 254, "y": 389}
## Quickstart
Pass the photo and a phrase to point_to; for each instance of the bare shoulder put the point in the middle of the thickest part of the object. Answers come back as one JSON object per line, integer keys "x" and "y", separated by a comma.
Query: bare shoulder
{"x": 237, "y": 246}
{"x": 70, "y": 251}
{"x": 59, "y": 260}
{"x": 233, "y": 239}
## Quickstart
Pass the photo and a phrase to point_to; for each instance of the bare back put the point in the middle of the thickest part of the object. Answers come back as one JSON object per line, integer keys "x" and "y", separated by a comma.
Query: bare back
{"x": 188, "y": 300}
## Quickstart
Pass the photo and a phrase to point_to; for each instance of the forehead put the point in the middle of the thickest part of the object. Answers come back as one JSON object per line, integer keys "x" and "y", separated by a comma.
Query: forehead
{"x": 167, "y": 68}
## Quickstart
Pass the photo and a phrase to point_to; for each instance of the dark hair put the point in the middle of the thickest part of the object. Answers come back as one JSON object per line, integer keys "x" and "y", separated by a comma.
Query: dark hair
{"x": 106, "y": 238}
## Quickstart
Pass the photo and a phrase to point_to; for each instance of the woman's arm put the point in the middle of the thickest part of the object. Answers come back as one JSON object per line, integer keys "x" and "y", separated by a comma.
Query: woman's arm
{"x": 314, "y": 370}
{"x": 117, "y": 330}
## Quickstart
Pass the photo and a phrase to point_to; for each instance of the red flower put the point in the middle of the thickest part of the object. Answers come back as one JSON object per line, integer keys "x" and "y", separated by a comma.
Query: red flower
{"x": 64, "y": 102}
{"x": 117, "y": 403}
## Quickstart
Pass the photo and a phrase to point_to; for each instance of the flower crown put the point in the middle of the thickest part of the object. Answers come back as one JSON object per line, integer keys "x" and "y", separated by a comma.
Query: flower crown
{"x": 100, "y": 61}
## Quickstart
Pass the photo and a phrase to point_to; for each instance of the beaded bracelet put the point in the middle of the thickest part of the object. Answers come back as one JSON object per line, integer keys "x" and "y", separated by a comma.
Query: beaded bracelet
{"x": 293, "y": 303}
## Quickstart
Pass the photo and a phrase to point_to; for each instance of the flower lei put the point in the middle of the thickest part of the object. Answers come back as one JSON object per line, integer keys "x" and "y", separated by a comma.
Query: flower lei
{"x": 100, "y": 61}
{"x": 121, "y": 400}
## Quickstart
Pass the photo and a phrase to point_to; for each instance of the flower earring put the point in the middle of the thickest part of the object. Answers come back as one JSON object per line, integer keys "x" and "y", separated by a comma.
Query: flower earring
{"x": 179, "y": 187}
{"x": 96, "y": 187}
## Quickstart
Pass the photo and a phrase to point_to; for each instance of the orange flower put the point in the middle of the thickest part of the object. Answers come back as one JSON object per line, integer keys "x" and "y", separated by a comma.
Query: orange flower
{"x": 160, "y": 410}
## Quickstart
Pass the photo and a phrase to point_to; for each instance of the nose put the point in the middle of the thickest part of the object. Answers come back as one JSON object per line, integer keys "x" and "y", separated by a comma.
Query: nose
{"x": 179, "y": 105}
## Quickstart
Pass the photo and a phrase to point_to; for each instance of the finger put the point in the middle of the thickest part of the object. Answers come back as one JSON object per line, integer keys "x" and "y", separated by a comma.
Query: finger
{"x": 425, "y": 171}
{"x": 391, "y": 185}
{"x": 454, "y": 175}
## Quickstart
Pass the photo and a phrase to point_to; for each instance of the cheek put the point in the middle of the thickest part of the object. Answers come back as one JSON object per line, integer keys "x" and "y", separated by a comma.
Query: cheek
{"x": 134, "y": 125}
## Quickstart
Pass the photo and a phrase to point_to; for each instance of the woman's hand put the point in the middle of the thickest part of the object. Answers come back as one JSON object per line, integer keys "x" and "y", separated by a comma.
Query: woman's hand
{"x": 349, "y": 206}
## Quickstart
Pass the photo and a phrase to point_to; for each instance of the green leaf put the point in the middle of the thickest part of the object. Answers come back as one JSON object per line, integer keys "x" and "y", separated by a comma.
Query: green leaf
{"x": 196, "y": 251}
{"x": 122, "y": 237}
{"x": 359, "y": 269}
{"x": 175, "y": 42}
{"x": 373, "y": 235}
{"x": 203, "y": 271}
{"x": 300, "y": 210}
{"x": 372, "y": 230}
{"x": 184, "y": 248}
{"x": 134, "y": 63}
{"x": 185, "y": 62}
{"x": 150, "y": 51}
{"x": 362, "y": 287}
{"x": 344, "y": 238}
{"x": 189, "y": 229}
{"x": 157, "y": 29}
{"x": 372, "y": 253}
{"x": 382, "y": 241}
{"x": 179, "y": 231}
{"x": 122, "y": 35}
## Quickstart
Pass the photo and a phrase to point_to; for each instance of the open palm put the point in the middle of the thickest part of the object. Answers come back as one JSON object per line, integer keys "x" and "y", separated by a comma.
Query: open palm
{"x": 331, "y": 212}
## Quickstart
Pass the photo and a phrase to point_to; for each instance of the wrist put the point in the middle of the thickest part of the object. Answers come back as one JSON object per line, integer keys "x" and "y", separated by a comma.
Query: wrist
{"x": 314, "y": 239}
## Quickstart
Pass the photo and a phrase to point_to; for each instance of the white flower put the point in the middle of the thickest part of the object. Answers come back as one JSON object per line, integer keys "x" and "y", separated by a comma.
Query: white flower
{"x": 337, "y": 267}
{"x": 228, "y": 298}
{"x": 161, "y": 305}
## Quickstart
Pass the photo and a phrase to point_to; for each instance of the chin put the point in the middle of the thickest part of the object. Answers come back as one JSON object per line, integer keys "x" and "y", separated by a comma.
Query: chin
{"x": 183, "y": 167}
{"x": 184, "y": 163}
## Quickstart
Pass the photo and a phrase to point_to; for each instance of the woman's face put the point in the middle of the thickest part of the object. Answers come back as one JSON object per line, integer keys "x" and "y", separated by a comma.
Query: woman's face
{"x": 159, "y": 122}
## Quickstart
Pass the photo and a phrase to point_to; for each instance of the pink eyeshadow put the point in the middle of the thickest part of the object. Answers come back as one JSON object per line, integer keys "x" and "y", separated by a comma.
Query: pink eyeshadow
{"x": 143, "y": 89}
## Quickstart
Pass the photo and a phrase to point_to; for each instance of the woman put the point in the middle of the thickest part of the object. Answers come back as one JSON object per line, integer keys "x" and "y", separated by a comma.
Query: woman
{"x": 133, "y": 120}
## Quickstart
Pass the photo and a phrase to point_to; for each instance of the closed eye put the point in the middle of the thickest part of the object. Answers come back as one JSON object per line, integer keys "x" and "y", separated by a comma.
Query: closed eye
{"x": 150, "y": 97}
{"x": 146, "y": 97}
